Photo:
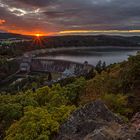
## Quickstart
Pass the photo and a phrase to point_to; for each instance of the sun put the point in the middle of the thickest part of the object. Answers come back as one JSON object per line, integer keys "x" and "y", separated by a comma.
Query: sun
{"x": 37, "y": 35}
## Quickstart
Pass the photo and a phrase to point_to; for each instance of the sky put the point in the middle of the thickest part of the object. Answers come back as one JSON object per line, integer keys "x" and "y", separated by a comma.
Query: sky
{"x": 62, "y": 17}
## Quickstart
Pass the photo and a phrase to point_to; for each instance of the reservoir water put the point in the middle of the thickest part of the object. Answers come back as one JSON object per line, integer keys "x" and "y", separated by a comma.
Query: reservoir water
{"x": 92, "y": 54}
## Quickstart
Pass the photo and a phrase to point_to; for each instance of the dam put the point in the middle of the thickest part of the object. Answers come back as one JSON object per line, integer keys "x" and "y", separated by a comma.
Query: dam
{"x": 36, "y": 64}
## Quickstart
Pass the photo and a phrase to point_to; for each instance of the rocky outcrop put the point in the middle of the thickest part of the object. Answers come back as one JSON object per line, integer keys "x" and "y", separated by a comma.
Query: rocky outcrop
{"x": 95, "y": 121}
{"x": 85, "y": 120}
{"x": 135, "y": 122}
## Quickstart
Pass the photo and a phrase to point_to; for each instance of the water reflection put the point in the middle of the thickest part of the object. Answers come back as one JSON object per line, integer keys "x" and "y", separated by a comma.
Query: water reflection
{"x": 93, "y": 55}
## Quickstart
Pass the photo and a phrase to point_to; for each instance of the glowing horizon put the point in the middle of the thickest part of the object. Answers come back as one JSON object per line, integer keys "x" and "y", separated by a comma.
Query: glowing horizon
{"x": 71, "y": 32}
{"x": 99, "y": 31}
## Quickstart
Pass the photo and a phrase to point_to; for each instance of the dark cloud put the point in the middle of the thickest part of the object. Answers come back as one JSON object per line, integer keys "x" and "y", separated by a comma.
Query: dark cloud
{"x": 30, "y": 3}
{"x": 57, "y": 15}
{"x": 41, "y": 3}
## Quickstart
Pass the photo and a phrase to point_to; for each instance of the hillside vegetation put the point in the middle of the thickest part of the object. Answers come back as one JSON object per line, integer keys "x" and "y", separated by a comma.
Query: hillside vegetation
{"x": 38, "y": 115}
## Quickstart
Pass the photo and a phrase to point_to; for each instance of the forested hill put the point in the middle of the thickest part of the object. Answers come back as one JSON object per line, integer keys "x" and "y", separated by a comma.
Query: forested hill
{"x": 80, "y": 40}
{"x": 11, "y": 35}
{"x": 99, "y": 40}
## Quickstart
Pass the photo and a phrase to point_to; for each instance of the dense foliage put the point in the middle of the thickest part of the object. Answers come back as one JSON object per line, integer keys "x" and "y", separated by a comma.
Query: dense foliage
{"x": 7, "y": 67}
{"x": 118, "y": 86}
{"x": 42, "y": 112}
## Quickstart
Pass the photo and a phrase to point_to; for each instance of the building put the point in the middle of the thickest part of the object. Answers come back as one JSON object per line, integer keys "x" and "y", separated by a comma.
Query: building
{"x": 25, "y": 65}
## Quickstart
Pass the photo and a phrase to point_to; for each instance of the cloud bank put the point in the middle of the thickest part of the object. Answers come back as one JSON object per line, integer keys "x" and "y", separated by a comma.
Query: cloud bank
{"x": 55, "y": 16}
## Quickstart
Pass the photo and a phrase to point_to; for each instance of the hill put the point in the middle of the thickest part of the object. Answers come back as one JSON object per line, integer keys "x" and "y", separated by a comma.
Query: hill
{"x": 80, "y": 40}
{"x": 100, "y": 40}
{"x": 11, "y": 35}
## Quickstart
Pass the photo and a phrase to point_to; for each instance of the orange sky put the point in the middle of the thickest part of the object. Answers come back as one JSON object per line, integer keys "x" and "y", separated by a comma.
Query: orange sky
{"x": 65, "y": 32}
{"x": 68, "y": 32}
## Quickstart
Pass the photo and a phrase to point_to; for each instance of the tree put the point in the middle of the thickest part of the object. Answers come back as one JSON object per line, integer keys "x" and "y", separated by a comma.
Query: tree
{"x": 75, "y": 90}
{"x": 8, "y": 113}
{"x": 98, "y": 67}
{"x": 117, "y": 103}
{"x": 104, "y": 66}
{"x": 49, "y": 76}
{"x": 38, "y": 123}
{"x": 91, "y": 74}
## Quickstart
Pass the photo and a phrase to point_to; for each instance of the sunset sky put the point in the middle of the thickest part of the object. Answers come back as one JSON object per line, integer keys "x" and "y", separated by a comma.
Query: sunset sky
{"x": 60, "y": 17}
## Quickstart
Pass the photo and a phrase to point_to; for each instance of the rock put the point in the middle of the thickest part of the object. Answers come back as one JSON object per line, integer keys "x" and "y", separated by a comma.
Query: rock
{"x": 135, "y": 122}
{"x": 88, "y": 120}
{"x": 137, "y": 135}
{"x": 95, "y": 121}
{"x": 96, "y": 135}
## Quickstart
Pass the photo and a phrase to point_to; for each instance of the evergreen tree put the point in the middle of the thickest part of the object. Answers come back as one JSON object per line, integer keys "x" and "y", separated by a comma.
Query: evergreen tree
{"x": 98, "y": 67}
{"x": 49, "y": 76}
{"x": 104, "y": 66}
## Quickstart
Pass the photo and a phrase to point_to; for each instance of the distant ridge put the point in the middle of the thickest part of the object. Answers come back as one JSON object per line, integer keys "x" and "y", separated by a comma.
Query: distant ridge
{"x": 81, "y": 40}
{"x": 12, "y": 35}
{"x": 96, "y": 40}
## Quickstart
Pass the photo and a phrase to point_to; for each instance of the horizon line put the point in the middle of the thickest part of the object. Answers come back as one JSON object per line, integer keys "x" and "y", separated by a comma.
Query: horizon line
{"x": 78, "y": 32}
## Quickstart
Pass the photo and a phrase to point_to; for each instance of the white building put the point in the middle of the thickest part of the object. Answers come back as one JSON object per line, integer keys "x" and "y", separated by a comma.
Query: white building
{"x": 25, "y": 67}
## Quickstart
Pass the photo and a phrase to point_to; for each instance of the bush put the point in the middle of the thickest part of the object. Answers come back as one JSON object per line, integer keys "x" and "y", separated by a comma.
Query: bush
{"x": 38, "y": 123}
{"x": 117, "y": 103}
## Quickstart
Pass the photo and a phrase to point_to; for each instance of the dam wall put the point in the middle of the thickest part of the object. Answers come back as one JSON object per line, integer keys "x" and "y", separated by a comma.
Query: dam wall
{"x": 59, "y": 66}
{"x": 51, "y": 65}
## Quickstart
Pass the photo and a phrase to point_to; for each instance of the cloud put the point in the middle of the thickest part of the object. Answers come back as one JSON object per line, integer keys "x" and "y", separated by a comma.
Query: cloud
{"x": 39, "y": 3}
{"x": 59, "y": 15}
{"x": 30, "y": 3}
{"x": 2, "y": 21}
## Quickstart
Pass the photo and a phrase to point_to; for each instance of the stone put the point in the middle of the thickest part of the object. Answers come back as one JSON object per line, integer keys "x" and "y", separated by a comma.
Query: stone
{"x": 135, "y": 121}
{"x": 95, "y": 121}
{"x": 85, "y": 120}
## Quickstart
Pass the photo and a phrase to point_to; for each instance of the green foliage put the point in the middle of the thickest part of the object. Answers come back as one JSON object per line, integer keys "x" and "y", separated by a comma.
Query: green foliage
{"x": 98, "y": 86}
{"x": 39, "y": 114}
{"x": 100, "y": 67}
{"x": 62, "y": 113}
{"x": 75, "y": 90}
{"x": 130, "y": 74}
{"x": 117, "y": 103}
{"x": 42, "y": 95}
{"x": 8, "y": 113}
{"x": 7, "y": 67}
{"x": 38, "y": 123}
{"x": 57, "y": 96}
{"x": 118, "y": 78}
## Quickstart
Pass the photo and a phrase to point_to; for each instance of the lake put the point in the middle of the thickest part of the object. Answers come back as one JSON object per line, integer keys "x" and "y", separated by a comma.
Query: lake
{"x": 91, "y": 54}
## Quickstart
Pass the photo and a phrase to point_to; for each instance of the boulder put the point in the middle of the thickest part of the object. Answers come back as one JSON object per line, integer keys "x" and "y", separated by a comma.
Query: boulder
{"x": 86, "y": 120}
{"x": 95, "y": 121}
